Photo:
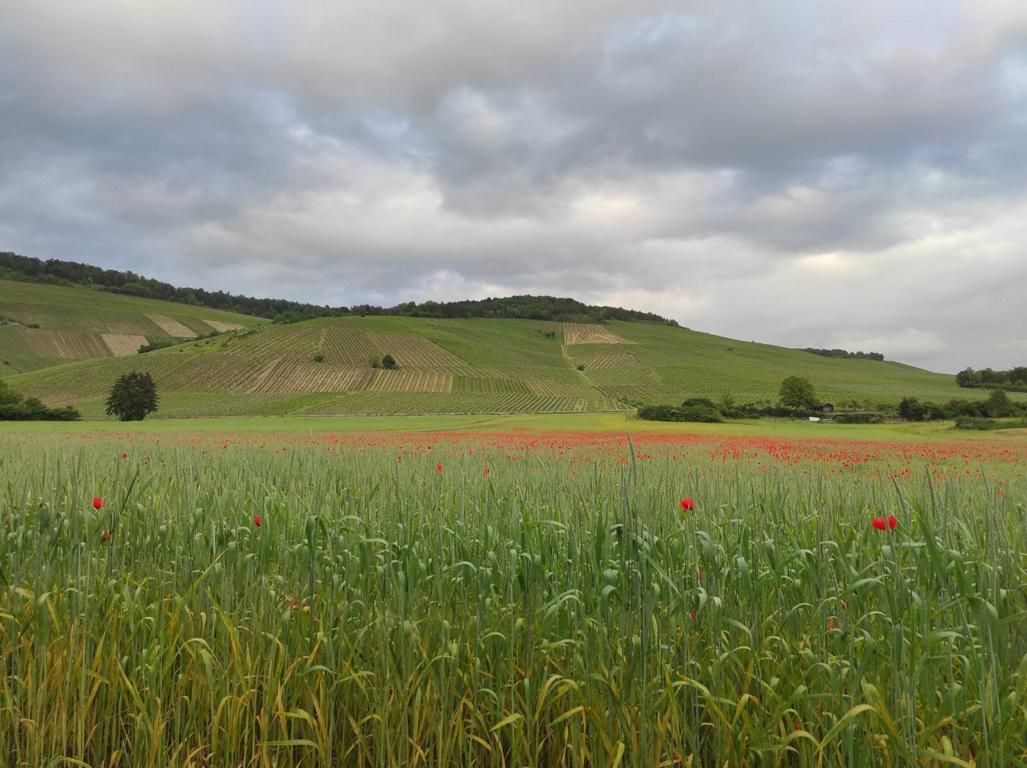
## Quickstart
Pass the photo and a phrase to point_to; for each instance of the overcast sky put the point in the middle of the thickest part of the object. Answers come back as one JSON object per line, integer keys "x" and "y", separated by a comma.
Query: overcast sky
{"x": 801, "y": 173}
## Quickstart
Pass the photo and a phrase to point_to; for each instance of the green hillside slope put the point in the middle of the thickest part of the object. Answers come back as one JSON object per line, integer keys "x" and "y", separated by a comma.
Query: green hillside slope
{"x": 46, "y": 325}
{"x": 326, "y": 366}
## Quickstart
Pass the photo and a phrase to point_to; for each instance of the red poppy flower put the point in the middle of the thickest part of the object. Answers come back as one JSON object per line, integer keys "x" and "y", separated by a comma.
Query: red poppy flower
{"x": 687, "y": 504}
{"x": 438, "y": 469}
{"x": 257, "y": 520}
{"x": 124, "y": 455}
{"x": 879, "y": 524}
{"x": 892, "y": 521}
{"x": 105, "y": 537}
{"x": 830, "y": 622}
{"x": 97, "y": 502}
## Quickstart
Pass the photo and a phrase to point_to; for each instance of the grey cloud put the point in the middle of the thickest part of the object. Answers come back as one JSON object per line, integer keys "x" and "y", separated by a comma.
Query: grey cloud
{"x": 804, "y": 173}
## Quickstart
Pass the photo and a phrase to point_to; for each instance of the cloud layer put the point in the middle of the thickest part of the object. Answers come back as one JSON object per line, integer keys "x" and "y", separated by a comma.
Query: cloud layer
{"x": 822, "y": 174}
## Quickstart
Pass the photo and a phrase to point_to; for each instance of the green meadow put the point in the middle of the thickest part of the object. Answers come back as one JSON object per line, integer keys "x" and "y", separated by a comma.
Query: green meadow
{"x": 332, "y": 366}
{"x": 286, "y": 592}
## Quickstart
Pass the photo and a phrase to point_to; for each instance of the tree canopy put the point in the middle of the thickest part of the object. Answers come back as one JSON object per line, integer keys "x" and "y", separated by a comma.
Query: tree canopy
{"x": 797, "y": 392}
{"x": 133, "y": 397}
{"x": 1015, "y": 379}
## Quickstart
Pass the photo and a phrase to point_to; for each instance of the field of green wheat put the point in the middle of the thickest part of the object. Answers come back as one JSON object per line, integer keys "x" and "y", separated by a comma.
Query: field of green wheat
{"x": 582, "y": 599}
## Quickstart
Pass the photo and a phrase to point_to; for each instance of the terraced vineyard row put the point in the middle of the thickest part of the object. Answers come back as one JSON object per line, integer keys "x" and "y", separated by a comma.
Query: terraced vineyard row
{"x": 388, "y": 403}
{"x": 277, "y": 341}
{"x": 345, "y": 344}
{"x": 16, "y": 356}
{"x": 411, "y": 380}
{"x": 489, "y": 385}
{"x": 589, "y": 333}
{"x": 412, "y": 351}
{"x": 66, "y": 345}
{"x": 44, "y": 326}
{"x": 82, "y": 319}
{"x": 603, "y": 356}
{"x": 546, "y": 387}
{"x": 292, "y": 375}
{"x": 99, "y": 320}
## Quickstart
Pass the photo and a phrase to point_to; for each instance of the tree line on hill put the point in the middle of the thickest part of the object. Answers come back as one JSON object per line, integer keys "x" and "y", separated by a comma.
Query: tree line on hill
{"x": 844, "y": 354}
{"x": 72, "y": 273}
{"x": 1013, "y": 380}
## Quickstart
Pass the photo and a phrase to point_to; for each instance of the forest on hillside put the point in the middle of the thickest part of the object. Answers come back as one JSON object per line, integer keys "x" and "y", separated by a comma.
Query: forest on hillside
{"x": 71, "y": 273}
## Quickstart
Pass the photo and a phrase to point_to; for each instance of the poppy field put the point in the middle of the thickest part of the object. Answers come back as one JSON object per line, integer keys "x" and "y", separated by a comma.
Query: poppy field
{"x": 511, "y": 599}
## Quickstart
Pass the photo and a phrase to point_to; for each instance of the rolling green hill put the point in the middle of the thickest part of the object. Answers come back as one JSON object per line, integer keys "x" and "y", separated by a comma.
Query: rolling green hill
{"x": 45, "y": 325}
{"x": 325, "y": 366}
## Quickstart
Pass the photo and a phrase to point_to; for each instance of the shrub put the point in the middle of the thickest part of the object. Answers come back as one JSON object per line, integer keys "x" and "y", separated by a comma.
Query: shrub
{"x": 692, "y": 413}
{"x": 700, "y": 413}
{"x": 13, "y": 407}
{"x": 154, "y": 345}
{"x": 998, "y": 404}
{"x": 912, "y": 409}
{"x": 700, "y": 402}
{"x": 858, "y": 418}
{"x": 975, "y": 422}
{"x": 659, "y": 413}
{"x": 389, "y": 362}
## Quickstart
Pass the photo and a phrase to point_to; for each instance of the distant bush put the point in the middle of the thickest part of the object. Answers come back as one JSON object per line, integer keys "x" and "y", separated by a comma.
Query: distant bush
{"x": 659, "y": 413}
{"x": 700, "y": 413}
{"x": 699, "y": 402}
{"x": 971, "y": 422}
{"x": 696, "y": 410}
{"x": 858, "y": 418}
{"x": 389, "y": 363}
{"x": 975, "y": 422}
{"x": 154, "y": 345}
{"x": 912, "y": 409}
{"x": 319, "y": 358}
{"x": 761, "y": 410}
{"x": 13, "y": 407}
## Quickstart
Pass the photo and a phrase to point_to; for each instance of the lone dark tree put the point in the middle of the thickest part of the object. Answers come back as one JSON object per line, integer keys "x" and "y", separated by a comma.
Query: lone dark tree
{"x": 389, "y": 362}
{"x": 797, "y": 392}
{"x": 133, "y": 396}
